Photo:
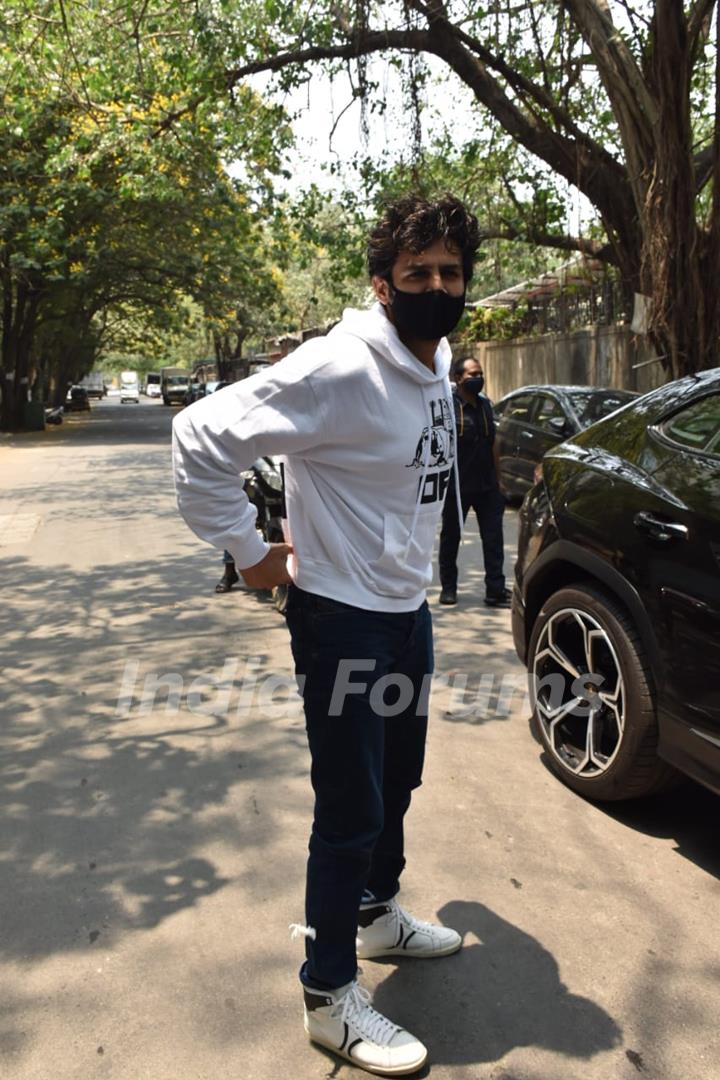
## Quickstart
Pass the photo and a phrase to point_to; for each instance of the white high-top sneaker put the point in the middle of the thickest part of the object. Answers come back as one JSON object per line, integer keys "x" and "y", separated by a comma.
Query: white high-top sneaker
{"x": 386, "y": 930}
{"x": 344, "y": 1021}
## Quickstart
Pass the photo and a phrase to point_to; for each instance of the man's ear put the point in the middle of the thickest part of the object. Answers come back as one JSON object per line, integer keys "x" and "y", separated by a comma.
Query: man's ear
{"x": 381, "y": 288}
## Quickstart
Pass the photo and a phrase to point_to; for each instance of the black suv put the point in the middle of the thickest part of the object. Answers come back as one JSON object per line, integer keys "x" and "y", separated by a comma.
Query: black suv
{"x": 616, "y": 605}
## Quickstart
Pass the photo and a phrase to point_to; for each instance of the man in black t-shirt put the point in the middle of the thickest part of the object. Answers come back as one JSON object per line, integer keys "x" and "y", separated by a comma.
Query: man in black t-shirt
{"x": 479, "y": 488}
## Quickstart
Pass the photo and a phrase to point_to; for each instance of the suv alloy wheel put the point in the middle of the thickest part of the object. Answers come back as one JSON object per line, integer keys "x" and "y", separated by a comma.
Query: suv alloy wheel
{"x": 593, "y": 702}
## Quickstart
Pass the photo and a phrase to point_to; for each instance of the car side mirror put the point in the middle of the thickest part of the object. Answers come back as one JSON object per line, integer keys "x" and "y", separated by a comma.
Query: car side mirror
{"x": 559, "y": 425}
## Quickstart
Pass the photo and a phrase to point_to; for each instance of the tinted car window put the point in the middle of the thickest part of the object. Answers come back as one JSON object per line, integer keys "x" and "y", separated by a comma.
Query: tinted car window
{"x": 519, "y": 408}
{"x": 548, "y": 409}
{"x": 591, "y": 406}
{"x": 698, "y": 426}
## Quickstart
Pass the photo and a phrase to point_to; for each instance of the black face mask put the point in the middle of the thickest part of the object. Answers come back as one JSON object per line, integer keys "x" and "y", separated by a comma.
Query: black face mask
{"x": 474, "y": 384}
{"x": 427, "y": 316}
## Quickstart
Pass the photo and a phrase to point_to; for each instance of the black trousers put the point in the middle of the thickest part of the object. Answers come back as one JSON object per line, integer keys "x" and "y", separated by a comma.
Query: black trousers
{"x": 489, "y": 507}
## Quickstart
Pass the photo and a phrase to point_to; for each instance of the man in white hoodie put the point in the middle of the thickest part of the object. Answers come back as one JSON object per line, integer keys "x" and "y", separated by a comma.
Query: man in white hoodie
{"x": 364, "y": 420}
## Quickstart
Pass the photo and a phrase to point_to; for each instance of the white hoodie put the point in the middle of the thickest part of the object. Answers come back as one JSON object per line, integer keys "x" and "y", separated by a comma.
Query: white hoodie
{"x": 368, "y": 436}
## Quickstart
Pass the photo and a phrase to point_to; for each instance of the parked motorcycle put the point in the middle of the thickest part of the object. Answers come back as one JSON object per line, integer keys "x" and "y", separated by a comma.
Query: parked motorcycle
{"x": 264, "y": 488}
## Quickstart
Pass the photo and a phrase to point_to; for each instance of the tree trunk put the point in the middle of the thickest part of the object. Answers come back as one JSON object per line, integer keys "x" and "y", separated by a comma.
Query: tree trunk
{"x": 229, "y": 354}
{"x": 709, "y": 258}
{"x": 672, "y": 237}
{"x": 20, "y": 309}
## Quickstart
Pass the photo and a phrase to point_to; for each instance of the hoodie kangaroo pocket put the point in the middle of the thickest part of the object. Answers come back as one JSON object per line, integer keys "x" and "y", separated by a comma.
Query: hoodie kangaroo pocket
{"x": 408, "y": 555}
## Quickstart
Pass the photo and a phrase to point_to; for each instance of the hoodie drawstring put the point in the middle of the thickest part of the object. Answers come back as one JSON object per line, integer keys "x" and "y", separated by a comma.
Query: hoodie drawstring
{"x": 456, "y": 469}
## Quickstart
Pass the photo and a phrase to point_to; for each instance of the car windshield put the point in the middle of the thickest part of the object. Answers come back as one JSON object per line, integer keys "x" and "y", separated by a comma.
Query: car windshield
{"x": 177, "y": 380}
{"x": 593, "y": 405}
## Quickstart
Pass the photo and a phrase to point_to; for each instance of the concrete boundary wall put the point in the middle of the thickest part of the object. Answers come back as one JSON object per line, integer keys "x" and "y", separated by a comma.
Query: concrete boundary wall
{"x": 593, "y": 356}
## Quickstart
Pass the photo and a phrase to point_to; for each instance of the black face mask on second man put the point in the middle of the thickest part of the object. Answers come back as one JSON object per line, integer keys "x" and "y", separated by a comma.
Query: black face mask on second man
{"x": 427, "y": 316}
{"x": 474, "y": 384}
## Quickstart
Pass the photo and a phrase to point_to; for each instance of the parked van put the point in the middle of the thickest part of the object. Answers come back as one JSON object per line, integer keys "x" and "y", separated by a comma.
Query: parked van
{"x": 174, "y": 384}
{"x": 129, "y": 387}
{"x": 152, "y": 384}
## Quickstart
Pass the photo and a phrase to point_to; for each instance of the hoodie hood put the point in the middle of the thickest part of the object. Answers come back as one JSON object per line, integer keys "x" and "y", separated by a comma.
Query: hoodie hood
{"x": 375, "y": 329}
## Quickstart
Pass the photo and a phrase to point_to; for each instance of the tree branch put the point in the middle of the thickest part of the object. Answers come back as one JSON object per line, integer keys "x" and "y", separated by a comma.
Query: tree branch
{"x": 597, "y": 175}
{"x": 699, "y": 23}
{"x": 370, "y": 42}
{"x": 581, "y": 161}
{"x": 704, "y": 162}
{"x": 633, "y": 104}
{"x": 598, "y": 249}
{"x": 713, "y": 237}
{"x": 520, "y": 83}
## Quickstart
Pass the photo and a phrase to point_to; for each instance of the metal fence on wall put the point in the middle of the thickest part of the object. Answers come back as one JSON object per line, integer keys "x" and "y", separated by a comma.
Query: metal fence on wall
{"x": 601, "y": 303}
{"x": 592, "y": 356}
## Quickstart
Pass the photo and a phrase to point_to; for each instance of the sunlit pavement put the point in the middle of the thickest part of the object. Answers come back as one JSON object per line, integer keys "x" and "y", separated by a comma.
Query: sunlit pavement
{"x": 152, "y": 858}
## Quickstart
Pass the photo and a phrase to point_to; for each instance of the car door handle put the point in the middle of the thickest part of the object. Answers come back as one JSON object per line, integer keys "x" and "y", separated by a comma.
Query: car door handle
{"x": 658, "y": 529}
{"x": 526, "y": 434}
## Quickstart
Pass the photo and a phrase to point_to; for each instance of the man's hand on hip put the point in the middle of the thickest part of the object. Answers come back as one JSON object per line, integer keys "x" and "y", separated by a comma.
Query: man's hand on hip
{"x": 271, "y": 570}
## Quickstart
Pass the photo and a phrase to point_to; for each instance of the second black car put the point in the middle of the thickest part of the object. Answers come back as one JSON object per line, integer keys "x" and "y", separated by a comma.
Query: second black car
{"x": 533, "y": 419}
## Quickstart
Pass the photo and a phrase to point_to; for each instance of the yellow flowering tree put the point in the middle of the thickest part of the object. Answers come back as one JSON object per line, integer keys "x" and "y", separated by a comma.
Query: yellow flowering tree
{"x": 107, "y": 197}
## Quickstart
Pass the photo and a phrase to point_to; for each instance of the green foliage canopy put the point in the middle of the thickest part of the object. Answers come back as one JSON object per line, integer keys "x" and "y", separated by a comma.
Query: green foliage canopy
{"x": 107, "y": 206}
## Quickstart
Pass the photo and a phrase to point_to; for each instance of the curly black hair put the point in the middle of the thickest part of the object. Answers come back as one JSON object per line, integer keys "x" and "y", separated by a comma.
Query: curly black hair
{"x": 413, "y": 223}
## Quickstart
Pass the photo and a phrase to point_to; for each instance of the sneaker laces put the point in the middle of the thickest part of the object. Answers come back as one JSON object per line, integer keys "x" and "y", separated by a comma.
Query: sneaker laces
{"x": 412, "y": 922}
{"x": 355, "y": 1009}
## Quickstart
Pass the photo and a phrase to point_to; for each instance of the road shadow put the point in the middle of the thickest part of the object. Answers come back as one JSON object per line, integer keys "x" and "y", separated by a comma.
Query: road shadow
{"x": 688, "y": 815}
{"x": 105, "y": 813}
{"x": 499, "y": 992}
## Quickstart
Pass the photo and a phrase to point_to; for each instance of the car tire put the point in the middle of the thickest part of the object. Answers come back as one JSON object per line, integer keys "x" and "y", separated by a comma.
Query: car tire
{"x": 605, "y": 746}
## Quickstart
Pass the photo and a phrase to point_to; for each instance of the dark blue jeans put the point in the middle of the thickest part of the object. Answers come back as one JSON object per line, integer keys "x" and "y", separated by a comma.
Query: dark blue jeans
{"x": 365, "y": 681}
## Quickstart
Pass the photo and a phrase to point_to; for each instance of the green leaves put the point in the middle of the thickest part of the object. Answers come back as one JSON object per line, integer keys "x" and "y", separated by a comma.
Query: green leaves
{"x": 113, "y": 193}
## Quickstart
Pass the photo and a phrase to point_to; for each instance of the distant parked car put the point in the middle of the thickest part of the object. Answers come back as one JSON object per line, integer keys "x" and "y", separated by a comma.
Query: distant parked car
{"x": 152, "y": 385}
{"x": 94, "y": 383}
{"x": 533, "y": 419}
{"x": 194, "y": 392}
{"x": 616, "y": 604}
{"x": 77, "y": 400}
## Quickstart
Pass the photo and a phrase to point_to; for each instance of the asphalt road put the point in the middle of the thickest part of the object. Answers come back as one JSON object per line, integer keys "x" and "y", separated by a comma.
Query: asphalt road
{"x": 153, "y": 856}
